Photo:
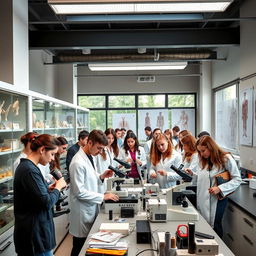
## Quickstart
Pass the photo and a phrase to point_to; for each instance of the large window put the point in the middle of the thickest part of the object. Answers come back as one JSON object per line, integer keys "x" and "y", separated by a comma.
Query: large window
{"x": 226, "y": 118}
{"x": 137, "y": 111}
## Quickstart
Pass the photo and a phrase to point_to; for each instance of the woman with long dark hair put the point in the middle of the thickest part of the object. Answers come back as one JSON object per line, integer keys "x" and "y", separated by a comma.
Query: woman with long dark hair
{"x": 34, "y": 233}
{"x": 134, "y": 154}
{"x": 106, "y": 157}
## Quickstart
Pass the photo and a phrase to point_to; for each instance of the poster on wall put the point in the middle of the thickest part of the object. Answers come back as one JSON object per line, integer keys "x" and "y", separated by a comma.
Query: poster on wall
{"x": 227, "y": 124}
{"x": 155, "y": 118}
{"x": 254, "y": 118}
{"x": 245, "y": 118}
{"x": 184, "y": 118}
{"x": 127, "y": 121}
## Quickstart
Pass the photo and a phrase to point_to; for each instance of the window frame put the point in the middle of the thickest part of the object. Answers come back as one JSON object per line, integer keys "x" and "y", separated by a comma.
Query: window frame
{"x": 136, "y": 108}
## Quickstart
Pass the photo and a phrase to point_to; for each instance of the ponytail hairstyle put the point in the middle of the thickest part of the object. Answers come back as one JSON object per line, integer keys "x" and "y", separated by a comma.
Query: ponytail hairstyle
{"x": 56, "y": 163}
{"x": 190, "y": 141}
{"x": 44, "y": 140}
{"x": 26, "y": 138}
{"x": 137, "y": 144}
{"x": 217, "y": 155}
{"x": 155, "y": 154}
{"x": 182, "y": 134}
{"x": 114, "y": 144}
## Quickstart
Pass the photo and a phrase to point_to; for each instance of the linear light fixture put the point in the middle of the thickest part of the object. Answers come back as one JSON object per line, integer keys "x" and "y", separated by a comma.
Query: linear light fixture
{"x": 137, "y": 66}
{"x": 137, "y": 6}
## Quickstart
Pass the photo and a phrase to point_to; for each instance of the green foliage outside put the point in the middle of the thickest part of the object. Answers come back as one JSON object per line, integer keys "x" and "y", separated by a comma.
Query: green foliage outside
{"x": 92, "y": 101}
{"x": 98, "y": 120}
{"x": 151, "y": 101}
{"x": 187, "y": 100}
{"x": 127, "y": 101}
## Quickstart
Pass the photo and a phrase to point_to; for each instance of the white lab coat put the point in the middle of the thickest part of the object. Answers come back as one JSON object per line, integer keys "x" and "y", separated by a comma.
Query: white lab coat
{"x": 193, "y": 165}
{"x": 207, "y": 203}
{"x": 147, "y": 147}
{"x": 85, "y": 196}
{"x": 170, "y": 179}
{"x": 102, "y": 165}
{"x": 139, "y": 155}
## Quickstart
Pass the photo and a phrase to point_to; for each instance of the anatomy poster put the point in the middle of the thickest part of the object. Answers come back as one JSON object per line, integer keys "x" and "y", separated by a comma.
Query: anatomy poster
{"x": 227, "y": 123}
{"x": 127, "y": 121}
{"x": 184, "y": 118}
{"x": 245, "y": 118}
{"x": 156, "y": 118}
{"x": 254, "y": 118}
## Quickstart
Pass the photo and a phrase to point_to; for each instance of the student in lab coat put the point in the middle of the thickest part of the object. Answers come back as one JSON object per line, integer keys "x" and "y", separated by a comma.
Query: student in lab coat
{"x": 133, "y": 154}
{"x": 162, "y": 157}
{"x": 85, "y": 183}
{"x": 190, "y": 155}
{"x": 213, "y": 160}
{"x": 106, "y": 157}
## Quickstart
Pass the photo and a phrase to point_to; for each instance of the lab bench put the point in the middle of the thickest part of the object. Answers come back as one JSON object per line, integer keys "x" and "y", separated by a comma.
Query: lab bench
{"x": 171, "y": 226}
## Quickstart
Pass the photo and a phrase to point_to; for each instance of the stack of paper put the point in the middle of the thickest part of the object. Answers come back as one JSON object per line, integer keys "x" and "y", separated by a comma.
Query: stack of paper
{"x": 107, "y": 240}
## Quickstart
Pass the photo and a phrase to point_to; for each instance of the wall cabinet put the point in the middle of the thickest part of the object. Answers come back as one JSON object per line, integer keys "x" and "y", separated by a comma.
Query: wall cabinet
{"x": 13, "y": 124}
{"x": 239, "y": 231}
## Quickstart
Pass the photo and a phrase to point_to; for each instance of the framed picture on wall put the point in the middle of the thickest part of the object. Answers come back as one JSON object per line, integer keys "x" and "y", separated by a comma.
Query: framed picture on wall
{"x": 246, "y": 116}
{"x": 127, "y": 121}
{"x": 155, "y": 118}
{"x": 184, "y": 118}
{"x": 254, "y": 117}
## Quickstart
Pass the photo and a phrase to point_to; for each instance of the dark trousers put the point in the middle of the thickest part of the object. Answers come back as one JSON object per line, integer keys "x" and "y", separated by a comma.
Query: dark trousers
{"x": 78, "y": 243}
{"x": 221, "y": 206}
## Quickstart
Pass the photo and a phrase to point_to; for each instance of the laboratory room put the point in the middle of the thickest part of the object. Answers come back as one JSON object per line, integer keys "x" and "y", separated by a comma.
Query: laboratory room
{"x": 127, "y": 127}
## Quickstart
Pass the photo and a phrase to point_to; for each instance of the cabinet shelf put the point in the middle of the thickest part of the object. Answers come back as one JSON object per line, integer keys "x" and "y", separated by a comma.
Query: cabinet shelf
{"x": 10, "y": 152}
{"x": 10, "y": 130}
{"x": 3, "y": 180}
{"x": 5, "y": 207}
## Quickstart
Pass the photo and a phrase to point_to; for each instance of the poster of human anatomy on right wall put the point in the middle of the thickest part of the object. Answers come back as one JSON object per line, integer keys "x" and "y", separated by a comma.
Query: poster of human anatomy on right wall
{"x": 246, "y": 116}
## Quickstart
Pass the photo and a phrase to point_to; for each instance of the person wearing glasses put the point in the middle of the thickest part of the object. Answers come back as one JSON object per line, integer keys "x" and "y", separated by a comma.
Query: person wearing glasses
{"x": 85, "y": 189}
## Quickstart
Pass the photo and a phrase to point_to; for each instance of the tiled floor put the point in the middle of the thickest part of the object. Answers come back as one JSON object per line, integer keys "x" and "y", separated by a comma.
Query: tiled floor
{"x": 65, "y": 247}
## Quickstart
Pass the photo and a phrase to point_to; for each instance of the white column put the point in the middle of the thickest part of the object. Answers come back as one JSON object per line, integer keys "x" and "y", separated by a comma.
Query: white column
{"x": 205, "y": 98}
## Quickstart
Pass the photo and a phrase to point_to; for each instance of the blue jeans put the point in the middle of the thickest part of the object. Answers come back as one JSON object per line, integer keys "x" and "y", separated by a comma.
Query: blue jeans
{"x": 221, "y": 206}
{"x": 49, "y": 253}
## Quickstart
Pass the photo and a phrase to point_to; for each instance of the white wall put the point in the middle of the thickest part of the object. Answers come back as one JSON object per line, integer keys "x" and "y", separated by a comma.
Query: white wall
{"x": 42, "y": 78}
{"x": 6, "y": 45}
{"x": 205, "y": 98}
{"x": 247, "y": 67}
{"x": 225, "y": 71}
{"x": 20, "y": 44}
{"x": 117, "y": 82}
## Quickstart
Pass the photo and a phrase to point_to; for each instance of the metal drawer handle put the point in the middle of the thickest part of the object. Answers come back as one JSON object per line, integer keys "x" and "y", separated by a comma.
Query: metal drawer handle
{"x": 5, "y": 246}
{"x": 230, "y": 236}
{"x": 248, "y": 240}
{"x": 231, "y": 208}
{"x": 248, "y": 222}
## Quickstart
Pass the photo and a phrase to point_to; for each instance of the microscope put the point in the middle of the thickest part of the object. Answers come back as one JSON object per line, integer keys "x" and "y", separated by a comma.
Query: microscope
{"x": 61, "y": 202}
{"x": 126, "y": 200}
{"x": 178, "y": 208}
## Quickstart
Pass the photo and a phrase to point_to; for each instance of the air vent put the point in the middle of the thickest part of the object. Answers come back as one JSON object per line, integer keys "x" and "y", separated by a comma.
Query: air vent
{"x": 146, "y": 79}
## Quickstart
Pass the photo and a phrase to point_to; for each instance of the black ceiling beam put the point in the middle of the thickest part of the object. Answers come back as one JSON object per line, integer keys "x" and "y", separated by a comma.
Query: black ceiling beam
{"x": 125, "y": 39}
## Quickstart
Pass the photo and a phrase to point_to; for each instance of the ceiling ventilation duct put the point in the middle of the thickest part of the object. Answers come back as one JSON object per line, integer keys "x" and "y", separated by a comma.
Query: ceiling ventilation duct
{"x": 135, "y": 57}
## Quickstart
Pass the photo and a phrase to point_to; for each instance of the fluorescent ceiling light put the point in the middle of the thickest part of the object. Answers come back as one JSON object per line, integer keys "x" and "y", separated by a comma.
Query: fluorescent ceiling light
{"x": 133, "y": 7}
{"x": 137, "y": 66}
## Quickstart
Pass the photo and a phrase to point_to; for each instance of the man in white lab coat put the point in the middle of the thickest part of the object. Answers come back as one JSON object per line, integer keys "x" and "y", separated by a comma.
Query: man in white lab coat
{"x": 85, "y": 187}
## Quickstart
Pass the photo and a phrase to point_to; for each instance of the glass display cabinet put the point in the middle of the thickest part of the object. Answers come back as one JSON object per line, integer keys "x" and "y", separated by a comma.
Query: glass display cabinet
{"x": 55, "y": 119}
{"x": 13, "y": 124}
{"x": 82, "y": 120}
